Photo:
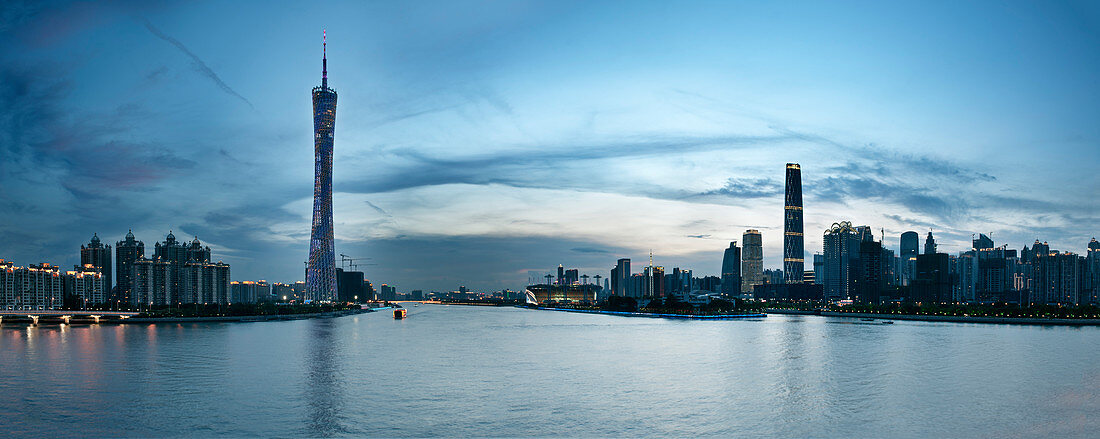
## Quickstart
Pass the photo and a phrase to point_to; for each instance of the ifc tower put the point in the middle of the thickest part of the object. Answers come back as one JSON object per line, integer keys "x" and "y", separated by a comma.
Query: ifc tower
{"x": 321, "y": 267}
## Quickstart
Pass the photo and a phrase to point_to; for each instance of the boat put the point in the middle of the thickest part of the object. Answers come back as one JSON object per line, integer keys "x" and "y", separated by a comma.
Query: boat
{"x": 416, "y": 305}
{"x": 399, "y": 313}
{"x": 888, "y": 322}
{"x": 868, "y": 320}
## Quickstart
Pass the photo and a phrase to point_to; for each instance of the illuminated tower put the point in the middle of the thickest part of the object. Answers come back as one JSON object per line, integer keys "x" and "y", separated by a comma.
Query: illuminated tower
{"x": 793, "y": 249}
{"x": 321, "y": 268}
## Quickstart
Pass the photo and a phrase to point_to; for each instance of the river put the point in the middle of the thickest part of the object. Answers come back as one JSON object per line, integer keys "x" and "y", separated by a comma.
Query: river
{"x": 483, "y": 371}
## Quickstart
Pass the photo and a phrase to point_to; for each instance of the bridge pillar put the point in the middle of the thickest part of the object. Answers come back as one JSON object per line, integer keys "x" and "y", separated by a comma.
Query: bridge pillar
{"x": 34, "y": 320}
{"x": 1, "y": 320}
{"x": 66, "y": 319}
{"x": 96, "y": 318}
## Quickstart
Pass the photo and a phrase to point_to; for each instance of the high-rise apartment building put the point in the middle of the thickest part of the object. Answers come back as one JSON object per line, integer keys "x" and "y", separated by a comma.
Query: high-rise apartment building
{"x": 98, "y": 256}
{"x": 127, "y": 252}
{"x": 793, "y": 247}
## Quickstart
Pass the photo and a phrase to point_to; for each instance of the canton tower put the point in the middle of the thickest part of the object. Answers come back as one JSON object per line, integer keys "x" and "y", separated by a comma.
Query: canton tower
{"x": 321, "y": 268}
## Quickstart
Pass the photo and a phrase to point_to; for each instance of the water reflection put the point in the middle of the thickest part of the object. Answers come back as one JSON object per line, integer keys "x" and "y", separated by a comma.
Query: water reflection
{"x": 324, "y": 390}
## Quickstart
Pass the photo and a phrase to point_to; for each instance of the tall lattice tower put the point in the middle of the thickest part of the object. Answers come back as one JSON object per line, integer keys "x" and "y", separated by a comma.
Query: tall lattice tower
{"x": 321, "y": 268}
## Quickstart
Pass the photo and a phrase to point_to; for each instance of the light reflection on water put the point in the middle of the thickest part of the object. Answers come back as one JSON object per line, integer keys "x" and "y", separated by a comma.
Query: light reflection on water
{"x": 473, "y": 371}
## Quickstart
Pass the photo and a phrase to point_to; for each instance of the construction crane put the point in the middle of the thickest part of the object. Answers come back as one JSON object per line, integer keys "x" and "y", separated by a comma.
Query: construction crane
{"x": 350, "y": 261}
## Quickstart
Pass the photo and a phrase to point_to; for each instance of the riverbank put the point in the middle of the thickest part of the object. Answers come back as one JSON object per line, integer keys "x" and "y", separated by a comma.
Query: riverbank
{"x": 657, "y": 315}
{"x": 154, "y": 320}
{"x": 952, "y": 319}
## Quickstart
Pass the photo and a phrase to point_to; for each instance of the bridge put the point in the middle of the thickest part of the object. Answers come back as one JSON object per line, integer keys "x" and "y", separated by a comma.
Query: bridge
{"x": 66, "y": 315}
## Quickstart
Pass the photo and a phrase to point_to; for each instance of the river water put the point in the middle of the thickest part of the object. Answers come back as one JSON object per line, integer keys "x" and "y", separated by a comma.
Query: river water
{"x": 479, "y": 371}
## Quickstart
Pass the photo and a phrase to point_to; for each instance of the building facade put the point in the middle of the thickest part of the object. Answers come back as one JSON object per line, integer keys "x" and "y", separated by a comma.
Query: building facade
{"x": 793, "y": 247}
{"x": 731, "y": 270}
{"x": 98, "y": 256}
{"x": 127, "y": 252}
{"x": 752, "y": 260}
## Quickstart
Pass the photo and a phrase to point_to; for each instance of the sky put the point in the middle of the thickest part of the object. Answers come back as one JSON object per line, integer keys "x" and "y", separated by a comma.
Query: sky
{"x": 477, "y": 141}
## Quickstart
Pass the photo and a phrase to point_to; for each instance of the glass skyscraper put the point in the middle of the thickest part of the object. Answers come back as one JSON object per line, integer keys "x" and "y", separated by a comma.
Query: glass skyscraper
{"x": 321, "y": 268}
{"x": 793, "y": 247}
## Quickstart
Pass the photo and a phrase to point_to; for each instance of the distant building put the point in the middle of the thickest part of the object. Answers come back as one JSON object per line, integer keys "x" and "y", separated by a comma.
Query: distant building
{"x": 910, "y": 248}
{"x": 731, "y": 270}
{"x": 389, "y": 293}
{"x": 36, "y": 287}
{"x": 819, "y": 268}
{"x": 983, "y": 242}
{"x": 250, "y": 291}
{"x": 98, "y": 256}
{"x": 85, "y": 285}
{"x": 572, "y": 276}
{"x": 793, "y": 248}
{"x": 284, "y": 292}
{"x": 620, "y": 278}
{"x": 781, "y": 291}
{"x": 752, "y": 260}
{"x": 929, "y": 245}
{"x": 152, "y": 283}
{"x": 1092, "y": 272}
{"x": 127, "y": 252}
{"x": 773, "y": 276}
{"x": 350, "y": 286}
{"x": 841, "y": 253}
{"x": 932, "y": 280}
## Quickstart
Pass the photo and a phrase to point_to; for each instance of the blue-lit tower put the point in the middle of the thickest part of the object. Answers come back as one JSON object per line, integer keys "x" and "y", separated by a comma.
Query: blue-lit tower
{"x": 321, "y": 267}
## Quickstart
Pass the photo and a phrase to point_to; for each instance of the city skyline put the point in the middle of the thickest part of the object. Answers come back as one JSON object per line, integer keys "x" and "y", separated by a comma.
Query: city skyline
{"x": 442, "y": 177}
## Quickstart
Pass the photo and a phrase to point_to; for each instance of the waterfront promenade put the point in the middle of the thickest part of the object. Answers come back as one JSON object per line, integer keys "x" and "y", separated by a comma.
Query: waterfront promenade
{"x": 935, "y": 318}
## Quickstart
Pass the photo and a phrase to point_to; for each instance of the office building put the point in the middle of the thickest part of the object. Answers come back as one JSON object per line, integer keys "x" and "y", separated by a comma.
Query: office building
{"x": 841, "y": 254}
{"x": 752, "y": 260}
{"x": 910, "y": 248}
{"x": 731, "y": 270}
{"x": 350, "y": 286}
{"x": 793, "y": 248}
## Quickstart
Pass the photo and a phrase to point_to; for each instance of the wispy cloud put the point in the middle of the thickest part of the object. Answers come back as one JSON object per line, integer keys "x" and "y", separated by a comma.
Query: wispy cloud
{"x": 199, "y": 64}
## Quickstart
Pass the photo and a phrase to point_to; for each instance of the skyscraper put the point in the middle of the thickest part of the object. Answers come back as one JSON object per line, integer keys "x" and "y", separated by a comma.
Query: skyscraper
{"x": 731, "y": 270}
{"x": 621, "y": 279}
{"x": 752, "y": 260}
{"x": 99, "y": 256}
{"x": 126, "y": 252}
{"x": 929, "y": 244}
{"x": 910, "y": 244}
{"x": 841, "y": 265}
{"x": 910, "y": 247}
{"x": 321, "y": 267}
{"x": 793, "y": 248}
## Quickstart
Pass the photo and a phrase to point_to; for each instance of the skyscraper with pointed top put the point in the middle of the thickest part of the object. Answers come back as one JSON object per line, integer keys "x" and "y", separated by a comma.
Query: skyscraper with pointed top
{"x": 793, "y": 248}
{"x": 321, "y": 267}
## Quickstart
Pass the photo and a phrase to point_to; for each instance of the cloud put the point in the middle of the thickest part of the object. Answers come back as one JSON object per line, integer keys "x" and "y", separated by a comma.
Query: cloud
{"x": 747, "y": 188}
{"x": 378, "y": 209}
{"x": 199, "y": 64}
{"x": 589, "y": 250}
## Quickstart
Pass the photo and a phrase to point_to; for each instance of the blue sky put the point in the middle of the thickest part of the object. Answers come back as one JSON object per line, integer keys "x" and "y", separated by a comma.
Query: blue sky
{"x": 476, "y": 141}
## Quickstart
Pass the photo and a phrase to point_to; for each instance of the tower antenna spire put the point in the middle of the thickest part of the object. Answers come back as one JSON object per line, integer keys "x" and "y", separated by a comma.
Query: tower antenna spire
{"x": 324, "y": 58}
